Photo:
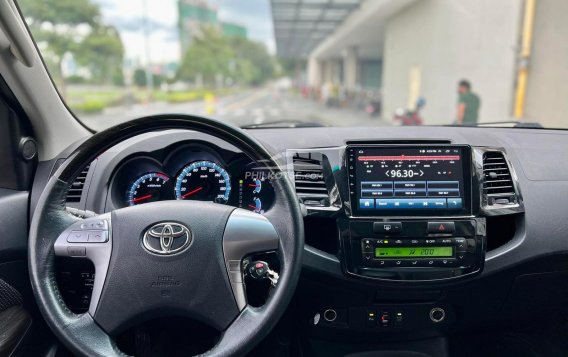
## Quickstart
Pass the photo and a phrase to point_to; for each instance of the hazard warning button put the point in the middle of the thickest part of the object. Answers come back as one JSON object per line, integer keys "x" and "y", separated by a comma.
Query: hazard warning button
{"x": 441, "y": 227}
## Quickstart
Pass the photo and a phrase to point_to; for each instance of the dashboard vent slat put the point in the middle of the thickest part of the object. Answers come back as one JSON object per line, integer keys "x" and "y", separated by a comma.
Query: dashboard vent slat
{"x": 76, "y": 189}
{"x": 309, "y": 180}
{"x": 498, "y": 185}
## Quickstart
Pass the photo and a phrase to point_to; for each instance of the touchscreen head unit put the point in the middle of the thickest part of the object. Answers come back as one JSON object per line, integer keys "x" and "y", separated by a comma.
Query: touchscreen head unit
{"x": 409, "y": 180}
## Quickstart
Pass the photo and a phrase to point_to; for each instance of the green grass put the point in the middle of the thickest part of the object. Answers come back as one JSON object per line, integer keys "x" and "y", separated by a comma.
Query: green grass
{"x": 89, "y": 106}
{"x": 92, "y": 101}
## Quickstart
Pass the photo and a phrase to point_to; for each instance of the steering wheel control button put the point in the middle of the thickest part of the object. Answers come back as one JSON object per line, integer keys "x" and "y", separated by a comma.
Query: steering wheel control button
{"x": 387, "y": 227}
{"x": 78, "y": 237}
{"x": 97, "y": 224}
{"x": 437, "y": 314}
{"x": 441, "y": 227}
{"x": 234, "y": 265}
{"x": 76, "y": 251}
{"x": 98, "y": 237}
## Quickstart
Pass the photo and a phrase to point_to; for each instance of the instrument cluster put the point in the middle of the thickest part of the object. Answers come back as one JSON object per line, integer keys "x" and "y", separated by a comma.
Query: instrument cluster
{"x": 196, "y": 172}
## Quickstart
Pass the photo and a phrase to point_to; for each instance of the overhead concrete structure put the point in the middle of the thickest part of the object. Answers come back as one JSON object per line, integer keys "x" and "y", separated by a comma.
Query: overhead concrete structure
{"x": 363, "y": 28}
{"x": 300, "y": 25}
{"x": 405, "y": 49}
{"x": 358, "y": 44}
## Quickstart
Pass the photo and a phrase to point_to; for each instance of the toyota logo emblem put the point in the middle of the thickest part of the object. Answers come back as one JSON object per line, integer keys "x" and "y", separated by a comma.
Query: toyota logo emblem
{"x": 167, "y": 238}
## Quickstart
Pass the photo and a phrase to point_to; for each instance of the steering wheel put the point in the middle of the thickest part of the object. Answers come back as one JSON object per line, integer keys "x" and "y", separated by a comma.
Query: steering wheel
{"x": 169, "y": 258}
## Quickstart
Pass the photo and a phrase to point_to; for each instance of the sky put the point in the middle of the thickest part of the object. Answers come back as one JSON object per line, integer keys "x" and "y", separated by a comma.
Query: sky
{"x": 128, "y": 17}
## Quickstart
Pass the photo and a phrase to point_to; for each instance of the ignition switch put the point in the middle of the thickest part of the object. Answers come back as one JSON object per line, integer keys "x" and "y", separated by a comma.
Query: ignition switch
{"x": 260, "y": 270}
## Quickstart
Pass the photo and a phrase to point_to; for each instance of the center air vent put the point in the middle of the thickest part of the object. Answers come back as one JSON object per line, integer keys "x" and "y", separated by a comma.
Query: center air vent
{"x": 498, "y": 185}
{"x": 74, "y": 194}
{"x": 309, "y": 180}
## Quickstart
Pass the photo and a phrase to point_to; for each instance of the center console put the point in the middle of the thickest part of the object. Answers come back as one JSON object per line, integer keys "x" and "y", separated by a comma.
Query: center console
{"x": 410, "y": 215}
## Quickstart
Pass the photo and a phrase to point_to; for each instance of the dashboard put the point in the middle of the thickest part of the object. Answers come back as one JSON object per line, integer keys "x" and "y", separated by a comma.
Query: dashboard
{"x": 191, "y": 171}
{"x": 410, "y": 220}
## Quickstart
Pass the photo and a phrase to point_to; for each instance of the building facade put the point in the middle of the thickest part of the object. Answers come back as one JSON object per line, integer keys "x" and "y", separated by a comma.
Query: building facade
{"x": 194, "y": 14}
{"x": 514, "y": 52}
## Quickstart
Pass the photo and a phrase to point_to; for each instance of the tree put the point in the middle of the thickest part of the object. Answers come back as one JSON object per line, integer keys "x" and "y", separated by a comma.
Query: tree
{"x": 208, "y": 56}
{"x": 290, "y": 67}
{"x": 254, "y": 63}
{"x": 74, "y": 27}
{"x": 102, "y": 52}
{"x": 61, "y": 12}
{"x": 140, "y": 77}
{"x": 212, "y": 54}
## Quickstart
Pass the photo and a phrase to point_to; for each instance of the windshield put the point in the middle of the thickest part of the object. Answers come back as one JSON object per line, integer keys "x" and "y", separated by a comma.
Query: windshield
{"x": 273, "y": 63}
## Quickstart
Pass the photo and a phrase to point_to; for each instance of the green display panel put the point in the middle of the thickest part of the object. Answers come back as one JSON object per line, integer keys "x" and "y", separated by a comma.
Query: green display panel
{"x": 413, "y": 252}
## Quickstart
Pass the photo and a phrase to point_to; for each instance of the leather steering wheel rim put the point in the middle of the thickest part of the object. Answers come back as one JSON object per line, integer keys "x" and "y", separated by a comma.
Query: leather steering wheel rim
{"x": 80, "y": 332}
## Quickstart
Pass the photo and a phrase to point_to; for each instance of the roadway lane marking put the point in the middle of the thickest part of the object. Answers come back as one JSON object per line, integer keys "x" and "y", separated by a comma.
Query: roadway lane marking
{"x": 246, "y": 101}
{"x": 259, "y": 119}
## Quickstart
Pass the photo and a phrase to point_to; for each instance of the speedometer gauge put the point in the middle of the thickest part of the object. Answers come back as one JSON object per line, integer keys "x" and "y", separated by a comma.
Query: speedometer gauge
{"x": 150, "y": 187}
{"x": 204, "y": 181}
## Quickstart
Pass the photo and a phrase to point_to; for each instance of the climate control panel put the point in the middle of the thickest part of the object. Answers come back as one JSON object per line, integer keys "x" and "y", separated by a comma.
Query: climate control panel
{"x": 414, "y": 249}
{"x": 435, "y": 252}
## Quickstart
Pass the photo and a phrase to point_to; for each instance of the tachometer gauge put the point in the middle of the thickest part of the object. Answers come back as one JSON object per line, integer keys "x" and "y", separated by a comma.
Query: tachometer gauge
{"x": 153, "y": 186}
{"x": 204, "y": 181}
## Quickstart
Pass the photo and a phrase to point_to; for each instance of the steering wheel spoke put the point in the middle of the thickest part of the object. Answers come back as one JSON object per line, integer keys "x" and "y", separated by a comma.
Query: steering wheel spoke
{"x": 246, "y": 232}
{"x": 91, "y": 239}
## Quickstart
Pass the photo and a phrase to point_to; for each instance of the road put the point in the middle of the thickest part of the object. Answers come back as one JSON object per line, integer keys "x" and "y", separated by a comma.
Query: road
{"x": 249, "y": 107}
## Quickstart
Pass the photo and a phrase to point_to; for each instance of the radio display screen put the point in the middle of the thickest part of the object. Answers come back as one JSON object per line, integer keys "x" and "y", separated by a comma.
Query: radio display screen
{"x": 413, "y": 252}
{"x": 403, "y": 180}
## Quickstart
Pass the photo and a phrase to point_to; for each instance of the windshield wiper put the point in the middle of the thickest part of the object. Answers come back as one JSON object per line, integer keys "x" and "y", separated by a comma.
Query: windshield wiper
{"x": 514, "y": 124}
{"x": 283, "y": 124}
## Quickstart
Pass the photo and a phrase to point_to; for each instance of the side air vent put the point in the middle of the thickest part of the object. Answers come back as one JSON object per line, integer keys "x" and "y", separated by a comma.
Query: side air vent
{"x": 498, "y": 185}
{"x": 74, "y": 194}
{"x": 309, "y": 180}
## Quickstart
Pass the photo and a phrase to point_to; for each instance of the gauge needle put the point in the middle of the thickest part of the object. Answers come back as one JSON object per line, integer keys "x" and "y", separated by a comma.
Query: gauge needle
{"x": 141, "y": 198}
{"x": 252, "y": 185}
{"x": 192, "y": 192}
{"x": 252, "y": 206}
